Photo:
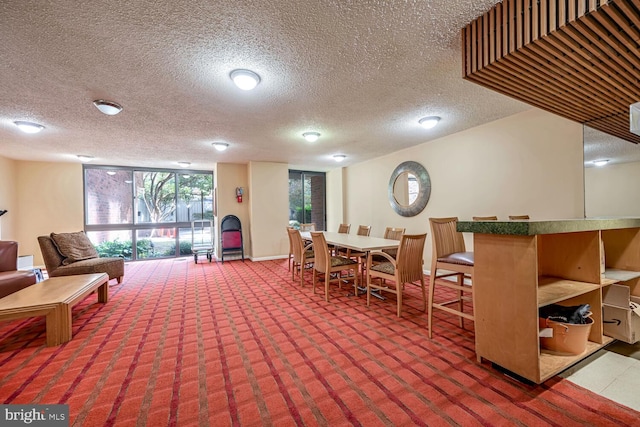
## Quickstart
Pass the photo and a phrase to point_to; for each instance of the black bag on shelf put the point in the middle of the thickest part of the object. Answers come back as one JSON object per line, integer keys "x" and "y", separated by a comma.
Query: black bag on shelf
{"x": 577, "y": 314}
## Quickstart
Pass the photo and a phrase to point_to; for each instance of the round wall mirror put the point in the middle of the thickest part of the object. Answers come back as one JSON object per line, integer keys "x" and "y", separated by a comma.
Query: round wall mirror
{"x": 409, "y": 189}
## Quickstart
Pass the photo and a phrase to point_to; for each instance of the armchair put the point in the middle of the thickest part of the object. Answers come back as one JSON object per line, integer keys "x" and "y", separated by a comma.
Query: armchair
{"x": 72, "y": 253}
{"x": 11, "y": 279}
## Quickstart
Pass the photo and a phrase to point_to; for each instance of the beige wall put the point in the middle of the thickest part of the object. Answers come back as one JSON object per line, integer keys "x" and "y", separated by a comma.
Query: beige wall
{"x": 50, "y": 200}
{"x": 268, "y": 208}
{"x": 529, "y": 163}
{"x": 335, "y": 199}
{"x": 9, "y": 201}
{"x": 612, "y": 190}
{"x": 228, "y": 176}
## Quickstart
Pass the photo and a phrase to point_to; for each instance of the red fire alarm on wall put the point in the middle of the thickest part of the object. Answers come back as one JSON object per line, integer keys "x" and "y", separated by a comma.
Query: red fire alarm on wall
{"x": 239, "y": 192}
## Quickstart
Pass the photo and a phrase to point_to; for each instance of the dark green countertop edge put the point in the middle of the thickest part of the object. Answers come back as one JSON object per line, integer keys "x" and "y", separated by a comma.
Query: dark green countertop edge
{"x": 531, "y": 227}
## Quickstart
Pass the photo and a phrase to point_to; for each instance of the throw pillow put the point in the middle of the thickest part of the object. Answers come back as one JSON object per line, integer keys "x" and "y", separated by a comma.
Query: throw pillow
{"x": 74, "y": 246}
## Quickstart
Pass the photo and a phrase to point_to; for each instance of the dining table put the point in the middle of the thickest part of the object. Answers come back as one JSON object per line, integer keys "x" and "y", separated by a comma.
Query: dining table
{"x": 356, "y": 243}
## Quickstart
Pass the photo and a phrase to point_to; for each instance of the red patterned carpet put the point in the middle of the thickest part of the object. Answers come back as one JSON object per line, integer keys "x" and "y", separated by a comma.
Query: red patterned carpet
{"x": 184, "y": 344}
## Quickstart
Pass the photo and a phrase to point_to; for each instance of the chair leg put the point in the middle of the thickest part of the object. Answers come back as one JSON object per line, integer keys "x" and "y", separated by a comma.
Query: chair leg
{"x": 432, "y": 285}
{"x": 326, "y": 286}
{"x": 356, "y": 281}
{"x": 314, "y": 281}
{"x": 399, "y": 296}
{"x": 293, "y": 271}
{"x": 460, "y": 282}
{"x": 424, "y": 295}
{"x": 119, "y": 280}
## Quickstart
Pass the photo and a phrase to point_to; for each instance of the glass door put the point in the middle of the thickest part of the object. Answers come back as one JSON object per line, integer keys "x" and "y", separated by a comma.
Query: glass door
{"x": 307, "y": 198}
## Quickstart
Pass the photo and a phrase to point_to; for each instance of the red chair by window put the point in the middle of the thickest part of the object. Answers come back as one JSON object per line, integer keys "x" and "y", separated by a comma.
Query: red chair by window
{"x": 231, "y": 236}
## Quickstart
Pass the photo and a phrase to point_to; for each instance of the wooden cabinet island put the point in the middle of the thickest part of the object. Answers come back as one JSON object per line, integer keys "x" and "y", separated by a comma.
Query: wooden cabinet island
{"x": 521, "y": 266}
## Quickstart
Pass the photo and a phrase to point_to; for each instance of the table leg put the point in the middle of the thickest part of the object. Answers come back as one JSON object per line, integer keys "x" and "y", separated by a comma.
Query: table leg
{"x": 59, "y": 325}
{"x": 103, "y": 292}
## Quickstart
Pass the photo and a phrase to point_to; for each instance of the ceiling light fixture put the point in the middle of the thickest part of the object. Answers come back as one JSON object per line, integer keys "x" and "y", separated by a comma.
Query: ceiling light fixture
{"x": 220, "y": 146}
{"x": 84, "y": 158}
{"x": 107, "y": 107}
{"x": 600, "y": 162}
{"x": 184, "y": 164}
{"x": 245, "y": 79}
{"x": 429, "y": 122}
{"x": 339, "y": 157}
{"x": 311, "y": 136}
{"x": 28, "y": 127}
{"x": 111, "y": 173}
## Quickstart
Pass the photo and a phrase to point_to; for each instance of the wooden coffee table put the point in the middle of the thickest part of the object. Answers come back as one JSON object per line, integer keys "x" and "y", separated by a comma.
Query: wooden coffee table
{"x": 54, "y": 298}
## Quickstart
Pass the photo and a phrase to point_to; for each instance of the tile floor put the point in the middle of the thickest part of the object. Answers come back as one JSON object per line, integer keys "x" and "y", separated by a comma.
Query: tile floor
{"x": 613, "y": 372}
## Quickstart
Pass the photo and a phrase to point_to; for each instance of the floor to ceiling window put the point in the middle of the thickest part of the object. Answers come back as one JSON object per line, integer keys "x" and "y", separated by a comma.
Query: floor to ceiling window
{"x": 142, "y": 213}
{"x": 307, "y": 198}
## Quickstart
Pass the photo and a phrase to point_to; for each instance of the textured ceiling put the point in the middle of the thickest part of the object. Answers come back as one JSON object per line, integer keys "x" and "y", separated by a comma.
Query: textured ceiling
{"x": 359, "y": 72}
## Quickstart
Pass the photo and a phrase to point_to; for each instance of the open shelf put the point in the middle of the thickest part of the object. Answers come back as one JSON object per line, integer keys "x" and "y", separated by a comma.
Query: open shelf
{"x": 552, "y": 364}
{"x": 516, "y": 275}
{"x": 556, "y": 289}
{"x": 620, "y": 275}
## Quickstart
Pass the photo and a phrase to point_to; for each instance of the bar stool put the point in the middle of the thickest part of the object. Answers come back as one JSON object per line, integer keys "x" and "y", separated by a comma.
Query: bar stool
{"x": 450, "y": 254}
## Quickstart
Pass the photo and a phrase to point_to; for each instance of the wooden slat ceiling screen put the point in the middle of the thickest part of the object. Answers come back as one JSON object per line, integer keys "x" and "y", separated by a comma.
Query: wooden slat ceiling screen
{"x": 575, "y": 58}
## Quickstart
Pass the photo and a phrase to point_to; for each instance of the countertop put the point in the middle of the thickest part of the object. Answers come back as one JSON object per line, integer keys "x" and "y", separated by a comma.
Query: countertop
{"x": 533, "y": 227}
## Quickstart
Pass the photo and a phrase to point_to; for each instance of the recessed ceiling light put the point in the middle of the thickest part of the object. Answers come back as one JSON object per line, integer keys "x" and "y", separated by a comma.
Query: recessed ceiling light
{"x": 28, "y": 127}
{"x": 429, "y": 122}
{"x": 111, "y": 173}
{"x": 128, "y": 181}
{"x": 339, "y": 157}
{"x": 311, "y": 136}
{"x": 600, "y": 162}
{"x": 220, "y": 146}
{"x": 245, "y": 79}
{"x": 184, "y": 164}
{"x": 84, "y": 158}
{"x": 107, "y": 107}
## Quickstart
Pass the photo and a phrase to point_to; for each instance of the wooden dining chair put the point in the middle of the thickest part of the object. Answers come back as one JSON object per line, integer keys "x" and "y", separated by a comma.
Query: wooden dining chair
{"x": 485, "y": 218}
{"x": 342, "y": 229}
{"x": 449, "y": 254}
{"x": 360, "y": 257}
{"x": 308, "y": 227}
{"x": 363, "y": 230}
{"x": 405, "y": 268}
{"x": 518, "y": 217}
{"x": 303, "y": 256}
{"x": 392, "y": 233}
{"x": 290, "y": 249}
{"x": 325, "y": 264}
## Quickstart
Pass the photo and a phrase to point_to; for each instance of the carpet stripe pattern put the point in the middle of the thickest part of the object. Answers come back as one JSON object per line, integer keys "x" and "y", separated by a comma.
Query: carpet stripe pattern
{"x": 241, "y": 344}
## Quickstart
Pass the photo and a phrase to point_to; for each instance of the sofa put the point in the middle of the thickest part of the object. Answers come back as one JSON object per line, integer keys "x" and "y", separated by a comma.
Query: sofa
{"x": 68, "y": 254}
{"x": 12, "y": 279}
